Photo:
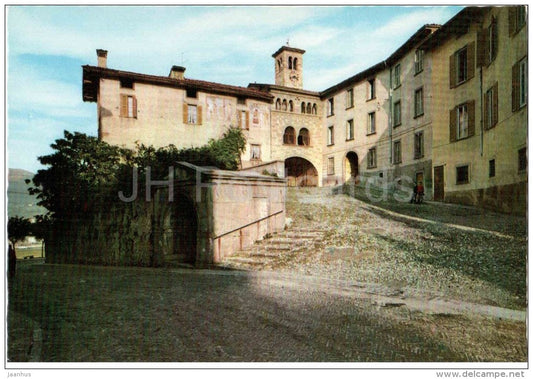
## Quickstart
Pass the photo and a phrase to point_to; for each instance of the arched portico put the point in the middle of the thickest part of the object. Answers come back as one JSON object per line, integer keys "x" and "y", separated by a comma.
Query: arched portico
{"x": 300, "y": 172}
{"x": 351, "y": 167}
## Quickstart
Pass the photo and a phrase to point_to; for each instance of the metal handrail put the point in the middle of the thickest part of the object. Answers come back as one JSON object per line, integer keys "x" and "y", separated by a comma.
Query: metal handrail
{"x": 245, "y": 226}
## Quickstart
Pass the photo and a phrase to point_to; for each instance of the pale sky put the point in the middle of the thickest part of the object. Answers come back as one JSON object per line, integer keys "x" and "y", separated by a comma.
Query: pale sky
{"x": 47, "y": 45}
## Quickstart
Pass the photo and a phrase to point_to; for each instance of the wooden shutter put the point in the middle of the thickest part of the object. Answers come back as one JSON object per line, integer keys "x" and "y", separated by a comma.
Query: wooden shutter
{"x": 470, "y": 60}
{"x": 515, "y": 90}
{"x": 512, "y": 20}
{"x": 453, "y": 71}
{"x": 482, "y": 47}
{"x": 123, "y": 106}
{"x": 185, "y": 113}
{"x": 471, "y": 113}
{"x": 495, "y": 104}
{"x": 134, "y": 102}
{"x": 199, "y": 115}
{"x": 247, "y": 120}
{"x": 495, "y": 36}
{"x": 453, "y": 125}
{"x": 486, "y": 111}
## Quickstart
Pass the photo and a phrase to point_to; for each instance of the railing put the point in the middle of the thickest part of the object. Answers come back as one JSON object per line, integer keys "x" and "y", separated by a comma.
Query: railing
{"x": 247, "y": 225}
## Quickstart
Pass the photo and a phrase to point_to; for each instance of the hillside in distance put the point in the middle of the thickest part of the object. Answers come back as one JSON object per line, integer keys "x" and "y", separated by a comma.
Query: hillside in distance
{"x": 19, "y": 201}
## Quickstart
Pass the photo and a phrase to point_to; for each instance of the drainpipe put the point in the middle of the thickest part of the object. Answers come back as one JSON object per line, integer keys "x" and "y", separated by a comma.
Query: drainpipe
{"x": 482, "y": 107}
{"x": 390, "y": 115}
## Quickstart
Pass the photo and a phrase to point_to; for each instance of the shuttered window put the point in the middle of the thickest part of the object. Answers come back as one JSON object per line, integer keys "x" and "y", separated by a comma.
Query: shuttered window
{"x": 128, "y": 106}
{"x": 397, "y": 115}
{"x": 517, "y": 19}
{"x": 419, "y": 145}
{"x": 462, "y": 65}
{"x": 419, "y": 102}
{"x": 192, "y": 114}
{"x": 372, "y": 161}
{"x": 397, "y": 153}
{"x": 519, "y": 85}
{"x": 243, "y": 120}
{"x": 255, "y": 152}
{"x": 491, "y": 107}
{"x": 462, "y": 121}
{"x": 331, "y": 166}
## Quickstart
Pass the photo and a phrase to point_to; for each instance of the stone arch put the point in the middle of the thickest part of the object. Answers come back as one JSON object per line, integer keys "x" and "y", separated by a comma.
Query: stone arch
{"x": 291, "y": 106}
{"x": 295, "y": 64}
{"x": 303, "y": 107}
{"x": 290, "y": 63}
{"x": 309, "y": 108}
{"x": 314, "y": 111}
{"x": 304, "y": 138}
{"x": 300, "y": 172}
{"x": 278, "y": 104}
{"x": 351, "y": 167}
{"x": 284, "y": 105}
{"x": 289, "y": 136}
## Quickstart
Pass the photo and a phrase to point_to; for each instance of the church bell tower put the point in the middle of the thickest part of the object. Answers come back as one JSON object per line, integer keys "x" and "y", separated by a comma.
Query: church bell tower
{"x": 289, "y": 63}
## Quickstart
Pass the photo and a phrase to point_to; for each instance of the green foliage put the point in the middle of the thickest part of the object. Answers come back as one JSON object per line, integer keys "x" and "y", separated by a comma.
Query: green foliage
{"x": 83, "y": 169}
{"x": 18, "y": 228}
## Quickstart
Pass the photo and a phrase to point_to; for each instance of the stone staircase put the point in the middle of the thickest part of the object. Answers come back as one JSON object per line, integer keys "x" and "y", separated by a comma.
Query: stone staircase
{"x": 274, "y": 250}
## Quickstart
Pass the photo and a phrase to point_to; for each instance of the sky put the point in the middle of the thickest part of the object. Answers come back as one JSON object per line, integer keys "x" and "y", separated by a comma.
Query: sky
{"x": 47, "y": 45}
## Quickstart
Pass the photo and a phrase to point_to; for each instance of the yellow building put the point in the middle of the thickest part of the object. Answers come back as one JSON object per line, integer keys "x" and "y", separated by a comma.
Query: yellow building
{"x": 480, "y": 137}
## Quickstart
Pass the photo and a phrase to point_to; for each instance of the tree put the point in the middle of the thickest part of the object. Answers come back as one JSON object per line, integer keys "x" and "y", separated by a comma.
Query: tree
{"x": 18, "y": 228}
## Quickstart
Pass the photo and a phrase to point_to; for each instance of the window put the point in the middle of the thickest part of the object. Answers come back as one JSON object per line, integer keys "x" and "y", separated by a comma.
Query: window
{"x": 371, "y": 124}
{"x": 126, "y": 83}
{"x": 519, "y": 85}
{"x": 290, "y": 63}
{"x": 397, "y": 152}
{"x": 349, "y": 130}
{"x": 191, "y": 92}
{"x": 372, "y": 158}
{"x": 291, "y": 106}
{"x": 397, "y": 114}
{"x": 314, "y": 109}
{"x": 128, "y": 106}
{"x": 462, "y": 121}
{"x": 462, "y": 175}
{"x": 309, "y": 108}
{"x": 419, "y": 61}
{"x": 491, "y": 107}
{"x": 349, "y": 98}
{"x": 330, "y": 107}
{"x": 397, "y": 76}
{"x": 462, "y": 66}
{"x": 192, "y": 114}
{"x": 493, "y": 41}
{"x": 303, "y": 137}
{"x": 492, "y": 168}
{"x": 371, "y": 89}
{"x": 331, "y": 166}
{"x": 331, "y": 140}
{"x": 419, "y": 145}
{"x": 284, "y": 105}
{"x": 517, "y": 19}
{"x": 303, "y": 107}
{"x": 278, "y": 104}
{"x": 419, "y": 102}
{"x": 522, "y": 159}
{"x": 289, "y": 136}
{"x": 255, "y": 152}
{"x": 243, "y": 120}
{"x": 295, "y": 64}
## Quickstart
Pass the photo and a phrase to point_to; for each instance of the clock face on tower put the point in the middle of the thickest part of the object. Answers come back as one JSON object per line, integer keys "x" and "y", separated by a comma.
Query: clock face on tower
{"x": 293, "y": 76}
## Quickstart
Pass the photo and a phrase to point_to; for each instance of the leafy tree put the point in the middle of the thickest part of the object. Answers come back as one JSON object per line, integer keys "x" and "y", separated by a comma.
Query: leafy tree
{"x": 18, "y": 228}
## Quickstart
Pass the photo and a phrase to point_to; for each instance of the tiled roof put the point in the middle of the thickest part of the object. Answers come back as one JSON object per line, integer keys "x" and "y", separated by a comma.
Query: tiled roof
{"x": 91, "y": 75}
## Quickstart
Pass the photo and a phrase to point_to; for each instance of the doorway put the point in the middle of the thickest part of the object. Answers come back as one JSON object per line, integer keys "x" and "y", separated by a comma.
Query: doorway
{"x": 438, "y": 186}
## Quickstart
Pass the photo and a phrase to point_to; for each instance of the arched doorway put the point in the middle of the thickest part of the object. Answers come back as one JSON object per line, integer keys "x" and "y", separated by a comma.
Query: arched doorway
{"x": 351, "y": 167}
{"x": 300, "y": 172}
{"x": 184, "y": 225}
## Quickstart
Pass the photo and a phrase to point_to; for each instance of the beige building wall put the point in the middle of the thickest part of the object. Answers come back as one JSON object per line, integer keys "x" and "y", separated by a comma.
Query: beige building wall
{"x": 160, "y": 119}
{"x": 503, "y": 191}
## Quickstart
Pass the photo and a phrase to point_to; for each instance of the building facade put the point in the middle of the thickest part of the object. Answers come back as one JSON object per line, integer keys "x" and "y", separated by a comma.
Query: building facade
{"x": 432, "y": 112}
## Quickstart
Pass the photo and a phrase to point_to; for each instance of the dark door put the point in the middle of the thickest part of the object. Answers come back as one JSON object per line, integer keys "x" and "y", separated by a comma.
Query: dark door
{"x": 438, "y": 188}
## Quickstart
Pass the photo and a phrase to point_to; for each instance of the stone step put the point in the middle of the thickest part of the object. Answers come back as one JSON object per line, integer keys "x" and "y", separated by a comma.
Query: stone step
{"x": 266, "y": 254}
{"x": 245, "y": 260}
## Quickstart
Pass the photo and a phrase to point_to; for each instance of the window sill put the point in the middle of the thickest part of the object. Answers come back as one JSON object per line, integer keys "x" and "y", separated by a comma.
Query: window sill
{"x": 369, "y": 134}
{"x": 395, "y": 126}
{"x": 400, "y": 162}
{"x": 371, "y": 167}
{"x": 329, "y": 115}
{"x": 349, "y": 139}
{"x": 373, "y": 98}
{"x": 419, "y": 72}
{"x": 461, "y": 183}
{"x": 418, "y": 157}
{"x": 331, "y": 144}
{"x": 350, "y": 107}
{"x": 398, "y": 86}
{"x": 418, "y": 115}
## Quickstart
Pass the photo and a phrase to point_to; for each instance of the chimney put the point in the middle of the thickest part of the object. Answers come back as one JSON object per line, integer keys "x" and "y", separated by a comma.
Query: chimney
{"x": 177, "y": 72}
{"x": 102, "y": 58}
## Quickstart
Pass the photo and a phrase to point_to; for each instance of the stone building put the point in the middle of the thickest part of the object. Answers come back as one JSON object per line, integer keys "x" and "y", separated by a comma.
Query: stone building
{"x": 432, "y": 112}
